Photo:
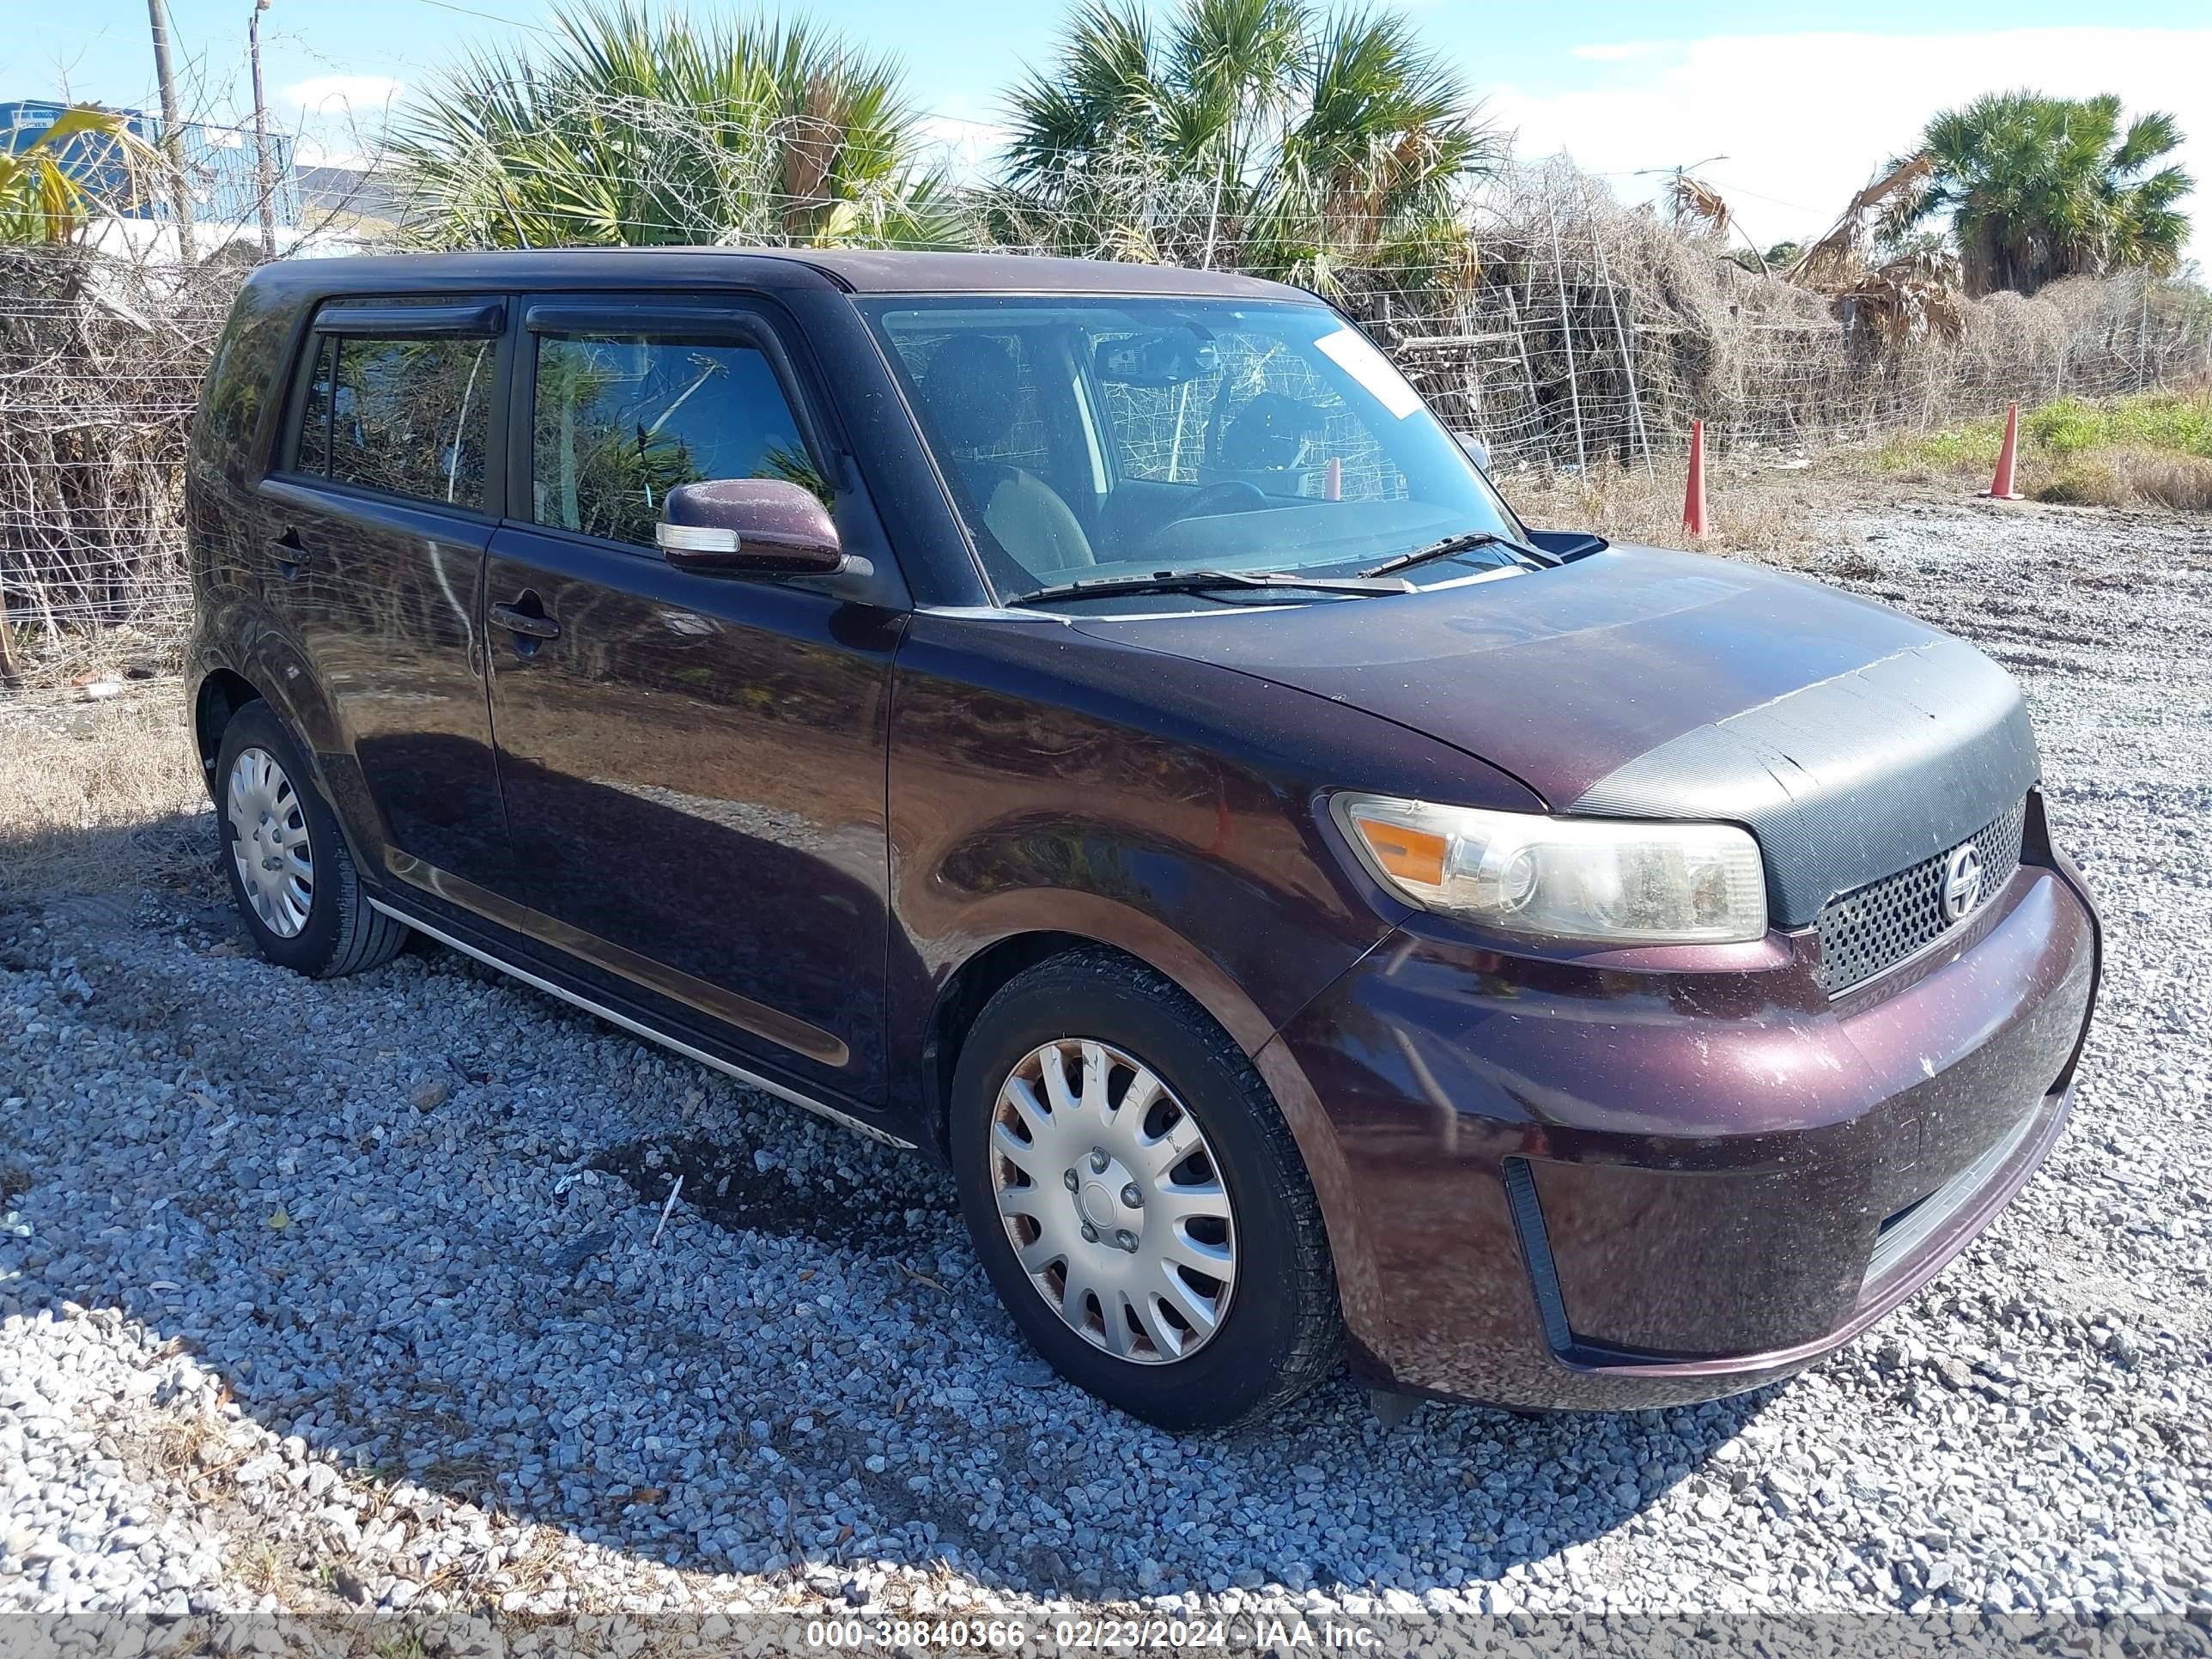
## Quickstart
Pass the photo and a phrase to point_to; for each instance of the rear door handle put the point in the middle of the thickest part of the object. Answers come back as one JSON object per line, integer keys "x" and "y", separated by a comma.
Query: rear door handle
{"x": 522, "y": 622}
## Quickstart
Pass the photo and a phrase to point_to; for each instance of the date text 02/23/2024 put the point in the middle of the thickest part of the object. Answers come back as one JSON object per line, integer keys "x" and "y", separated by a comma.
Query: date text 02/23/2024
{"x": 1087, "y": 1635}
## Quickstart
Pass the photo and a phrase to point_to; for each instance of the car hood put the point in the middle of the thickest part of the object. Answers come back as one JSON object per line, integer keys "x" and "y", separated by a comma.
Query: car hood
{"x": 1851, "y": 739}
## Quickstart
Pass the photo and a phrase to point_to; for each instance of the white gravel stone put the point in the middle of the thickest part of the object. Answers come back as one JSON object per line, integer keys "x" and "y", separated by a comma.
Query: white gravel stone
{"x": 391, "y": 1235}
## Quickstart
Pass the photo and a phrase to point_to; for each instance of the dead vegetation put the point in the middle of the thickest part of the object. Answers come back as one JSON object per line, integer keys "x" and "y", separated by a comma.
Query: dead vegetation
{"x": 98, "y": 797}
{"x": 2129, "y": 475}
{"x": 101, "y": 361}
{"x": 1896, "y": 295}
{"x": 1594, "y": 333}
{"x": 1748, "y": 510}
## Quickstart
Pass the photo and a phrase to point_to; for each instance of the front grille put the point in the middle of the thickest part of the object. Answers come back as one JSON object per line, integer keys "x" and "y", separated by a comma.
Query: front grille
{"x": 1880, "y": 925}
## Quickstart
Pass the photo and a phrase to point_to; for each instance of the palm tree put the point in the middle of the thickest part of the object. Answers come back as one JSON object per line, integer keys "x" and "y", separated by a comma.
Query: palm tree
{"x": 1264, "y": 134}
{"x": 2039, "y": 188}
{"x": 635, "y": 128}
{"x": 45, "y": 196}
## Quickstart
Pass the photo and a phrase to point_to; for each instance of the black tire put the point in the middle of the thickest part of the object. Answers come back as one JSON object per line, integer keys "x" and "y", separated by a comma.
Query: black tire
{"x": 1282, "y": 1332}
{"x": 341, "y": 934}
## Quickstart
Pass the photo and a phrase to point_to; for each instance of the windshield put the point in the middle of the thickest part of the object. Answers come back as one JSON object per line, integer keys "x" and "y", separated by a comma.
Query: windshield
{"x": 1095, "y": 438}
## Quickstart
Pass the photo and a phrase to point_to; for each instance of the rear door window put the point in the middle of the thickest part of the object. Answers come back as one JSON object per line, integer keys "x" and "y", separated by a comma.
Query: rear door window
{"x": 407, "y": 416}
{"x": 619, "y": 420}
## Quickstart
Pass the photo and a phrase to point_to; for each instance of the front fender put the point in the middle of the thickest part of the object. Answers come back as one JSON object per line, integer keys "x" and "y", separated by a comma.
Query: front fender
{"x": 1097, "y": 919}
{"x": 1045, "y": 781}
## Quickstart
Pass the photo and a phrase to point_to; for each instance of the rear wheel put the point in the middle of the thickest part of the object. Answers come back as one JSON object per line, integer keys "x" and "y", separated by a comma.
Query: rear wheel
{"x": 1137, "y": 1199}
{"x": 291, "y": 874}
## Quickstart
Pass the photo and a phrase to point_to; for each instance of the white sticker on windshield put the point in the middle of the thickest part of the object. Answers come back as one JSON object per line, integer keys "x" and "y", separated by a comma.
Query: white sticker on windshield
{"x": 1351, "y": 351}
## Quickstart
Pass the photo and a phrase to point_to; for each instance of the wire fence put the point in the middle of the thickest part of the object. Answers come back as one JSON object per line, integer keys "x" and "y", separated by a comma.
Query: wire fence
{"x": 1597, "y": 334}
{"x": 1572, "y": 332}
{"x": 100, "y": 363}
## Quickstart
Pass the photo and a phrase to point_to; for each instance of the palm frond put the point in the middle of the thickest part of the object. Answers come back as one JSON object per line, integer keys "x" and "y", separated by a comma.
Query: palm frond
{"x": 1903, "y": 196}
{"x": 632, "y": 126}
{"x": 2149, "y": 136}
{"x": 1696, "y": 207}
{"x": 43, "y": 195}
{"x": 2039, "y": 187}
{"x": 1299, "y": 144}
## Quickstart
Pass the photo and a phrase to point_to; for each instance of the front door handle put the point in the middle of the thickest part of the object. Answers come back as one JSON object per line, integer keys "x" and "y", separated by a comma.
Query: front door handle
{"x": 516, "y": 621}
{"x": 289, "y": 551}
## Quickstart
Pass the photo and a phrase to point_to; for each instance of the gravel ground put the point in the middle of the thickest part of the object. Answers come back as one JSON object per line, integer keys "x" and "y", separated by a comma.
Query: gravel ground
{"x": 315, "y": 1296}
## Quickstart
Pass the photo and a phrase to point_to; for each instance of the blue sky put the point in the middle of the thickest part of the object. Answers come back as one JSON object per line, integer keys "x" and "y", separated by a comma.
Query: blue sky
{"x": 1803, "y": 100}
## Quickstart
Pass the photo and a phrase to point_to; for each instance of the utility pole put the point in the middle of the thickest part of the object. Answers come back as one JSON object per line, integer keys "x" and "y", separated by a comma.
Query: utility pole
{"x": 264, "y": 175}
{"x": 173, "y": 132}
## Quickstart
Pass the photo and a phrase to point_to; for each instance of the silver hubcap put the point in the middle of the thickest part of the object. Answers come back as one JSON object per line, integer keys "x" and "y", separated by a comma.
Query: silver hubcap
{"x": 269, "y": 842}
{"x": 1113, "y": 1201}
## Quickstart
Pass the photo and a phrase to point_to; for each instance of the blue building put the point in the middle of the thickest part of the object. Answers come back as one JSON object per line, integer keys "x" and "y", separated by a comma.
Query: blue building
{"x": 219, "y": 162}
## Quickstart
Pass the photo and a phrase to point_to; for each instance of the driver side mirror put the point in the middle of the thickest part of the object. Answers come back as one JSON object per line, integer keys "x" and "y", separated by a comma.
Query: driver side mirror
{"x": 1477, "y": 450}
{"x": 752, "y": 528}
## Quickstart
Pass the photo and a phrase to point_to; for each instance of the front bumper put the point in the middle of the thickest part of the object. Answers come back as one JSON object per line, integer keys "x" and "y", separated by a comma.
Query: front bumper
{"x": 1560, "y": 1185}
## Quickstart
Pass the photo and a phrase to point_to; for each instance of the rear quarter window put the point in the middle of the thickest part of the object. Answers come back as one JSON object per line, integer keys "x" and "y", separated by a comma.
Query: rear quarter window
{"x": 248, "y": 366}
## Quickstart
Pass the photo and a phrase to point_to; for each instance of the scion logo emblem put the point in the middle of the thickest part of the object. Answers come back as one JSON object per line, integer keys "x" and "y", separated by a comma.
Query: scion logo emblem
{"x": 1962, "y": 883}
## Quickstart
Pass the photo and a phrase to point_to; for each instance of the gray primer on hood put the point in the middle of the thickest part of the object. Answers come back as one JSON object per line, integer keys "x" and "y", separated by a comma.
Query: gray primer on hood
{"x": 1848, "y": 779}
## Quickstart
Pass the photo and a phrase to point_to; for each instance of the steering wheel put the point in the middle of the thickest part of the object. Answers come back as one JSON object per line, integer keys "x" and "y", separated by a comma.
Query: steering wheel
{"x": 1229, "y": 495}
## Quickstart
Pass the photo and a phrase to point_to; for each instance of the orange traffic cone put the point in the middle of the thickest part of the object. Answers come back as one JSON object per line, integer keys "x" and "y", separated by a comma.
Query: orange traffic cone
{"x": 1693, "y": 502}
{"x": 2001, "y": 487}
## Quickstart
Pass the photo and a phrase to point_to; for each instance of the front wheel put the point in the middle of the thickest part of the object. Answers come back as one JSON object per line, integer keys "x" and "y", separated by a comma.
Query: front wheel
{"x": 1137, "y": 1199}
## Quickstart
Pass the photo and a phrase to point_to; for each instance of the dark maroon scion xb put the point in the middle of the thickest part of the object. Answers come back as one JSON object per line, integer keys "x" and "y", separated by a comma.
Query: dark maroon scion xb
{"x": 1090, "y": 722}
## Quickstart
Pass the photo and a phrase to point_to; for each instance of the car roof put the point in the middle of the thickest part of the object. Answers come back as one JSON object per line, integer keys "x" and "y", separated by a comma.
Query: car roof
{"x": 855, "y": 271}
{"x": 874, "y": 270}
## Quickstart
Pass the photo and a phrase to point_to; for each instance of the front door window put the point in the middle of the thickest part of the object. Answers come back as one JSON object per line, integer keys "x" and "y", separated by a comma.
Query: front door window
{"x": 620, "y": 421}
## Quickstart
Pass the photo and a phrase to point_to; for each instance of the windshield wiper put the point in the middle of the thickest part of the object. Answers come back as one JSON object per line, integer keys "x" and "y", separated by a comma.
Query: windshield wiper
{"x": 1450, "y": 544}
{"x": 1193, "y": 581}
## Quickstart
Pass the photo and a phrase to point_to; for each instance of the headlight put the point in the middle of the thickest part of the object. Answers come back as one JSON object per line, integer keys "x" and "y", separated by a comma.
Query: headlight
{"x": 1584, "y": 878}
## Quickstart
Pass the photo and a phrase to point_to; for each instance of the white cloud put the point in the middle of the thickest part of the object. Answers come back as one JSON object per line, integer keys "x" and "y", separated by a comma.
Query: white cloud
{"x": 341, "y": 94}
{"x": 961, "y": 141}
{"x": 341, "y": 118}
{"x": 1805, "y": 119}
{"x": 332, "y": 151}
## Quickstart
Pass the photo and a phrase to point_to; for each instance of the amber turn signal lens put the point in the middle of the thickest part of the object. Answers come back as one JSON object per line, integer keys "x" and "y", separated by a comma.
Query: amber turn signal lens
{"x": 1604, "y": 880}
{"x": 1409, "y": 854}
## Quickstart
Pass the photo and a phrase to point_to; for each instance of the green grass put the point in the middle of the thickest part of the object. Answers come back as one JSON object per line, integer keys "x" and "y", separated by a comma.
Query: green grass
{"x": 2152, "y": 446}
{"x": 2176, "y": 423}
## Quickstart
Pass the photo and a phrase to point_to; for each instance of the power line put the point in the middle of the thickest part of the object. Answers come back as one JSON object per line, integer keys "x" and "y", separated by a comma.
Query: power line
{"x": 489, "y": 17}
{"x": 1771, "y": 201}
